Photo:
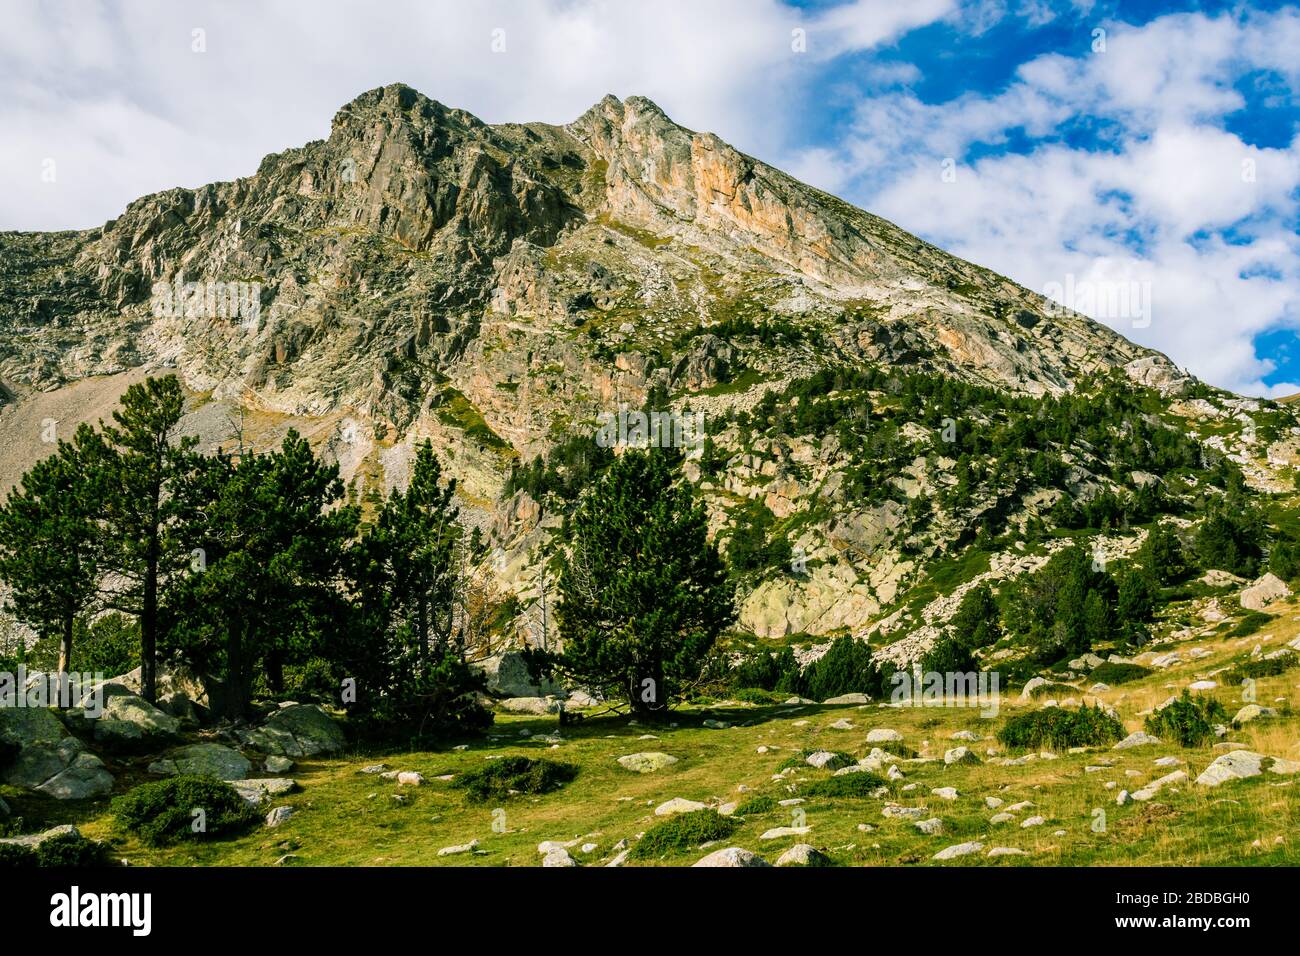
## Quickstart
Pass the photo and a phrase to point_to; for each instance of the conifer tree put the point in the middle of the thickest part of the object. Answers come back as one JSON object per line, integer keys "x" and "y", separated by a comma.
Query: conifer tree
{"x": 644, "y": 593}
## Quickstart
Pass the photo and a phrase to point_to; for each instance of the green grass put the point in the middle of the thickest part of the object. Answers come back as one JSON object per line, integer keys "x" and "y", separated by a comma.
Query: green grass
{"x": 346, "y": 818}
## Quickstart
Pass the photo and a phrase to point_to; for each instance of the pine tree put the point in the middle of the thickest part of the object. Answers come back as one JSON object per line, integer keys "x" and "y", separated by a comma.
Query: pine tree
{"x": 48, "y": 538}
{"x": 142, "y": 460}
{"x": 271, "y": 543}
{"x": 644, "y": 593}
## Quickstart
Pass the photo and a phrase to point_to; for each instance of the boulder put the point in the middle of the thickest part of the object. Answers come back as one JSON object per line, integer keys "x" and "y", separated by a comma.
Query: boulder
{"x": 257, "y": 792}
{"x": 508, "y": 676}
{"x": 278, "y": 815}
{"x": 1155, "y": 786}
{"x": 48, "y": 758}
{"x": 821, "y": 758}
{"x": 205, "y": 760}
{"x": 961, "y": 849}
{"x": 558, "y": 857}
{"x": 960, "y": 755}
{"x": 538, "y": 706}
{"x": 1265, "y": 591}
{"x": 883, "y": 735}
{"x": 646, "y": 762}
{"x": 732, "y": 856}
{"x": 33, "y": 840}
{"x": 298, "y": 730}
{"x": 678, "y": 805}
{"x": 844, "y": 699}
{"x": 469, "y": 847}
{"x": 277, "y": 764}
{"x": 1240, "y": 764}
{"x": 777, "y": 833}
{"x": 802, "y": 854}
{"x": 1139, "y": 738}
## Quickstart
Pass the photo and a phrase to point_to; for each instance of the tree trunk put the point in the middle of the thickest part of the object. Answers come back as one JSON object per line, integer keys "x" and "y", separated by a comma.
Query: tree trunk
{"x": 65, "y": 647}
{"x": 275, "y": 671}
{"x": 149, "y": 627}
{"x": 236, "y": 704}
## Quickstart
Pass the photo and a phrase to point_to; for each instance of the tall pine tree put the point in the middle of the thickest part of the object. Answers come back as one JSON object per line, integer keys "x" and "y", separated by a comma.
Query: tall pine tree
{"x": 48, "y": 542}
{"x": 644, "y": 593}
{"x": 143, "y": 460}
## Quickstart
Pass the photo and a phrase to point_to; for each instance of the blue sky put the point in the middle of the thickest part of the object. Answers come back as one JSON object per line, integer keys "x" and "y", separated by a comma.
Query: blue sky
{"x": 1097, "y": 144}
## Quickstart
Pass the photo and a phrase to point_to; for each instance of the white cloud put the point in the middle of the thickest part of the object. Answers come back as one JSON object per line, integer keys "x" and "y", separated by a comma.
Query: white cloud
{"x": 116, "y": 95}
{"x": 1150, "y": 208}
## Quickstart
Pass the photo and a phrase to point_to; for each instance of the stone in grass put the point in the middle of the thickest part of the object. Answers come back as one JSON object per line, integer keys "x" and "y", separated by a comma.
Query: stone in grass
{"x": 842, "y": 724}
{"x": 778, "y": 833}
{"x": 257, "y": 792}
{"x": 847, "y": 699}
{"x": 1252, "y": 712}
{"x": 883, "y": 735}
{"x": 278, "y": 815}
{"x": 1155, "y": 786}
{"x": 1139, "y": 738}
{"x": 558, "y": 857}
{"x": 1003, "y": 817}
{"x": 1006, "y": 851}
{"x": 960, "y": 755}
{"x": 277, "y": 764}
{"x": 993, "y": 802}
{"x": 802, "y": 854}
{"x": 1240, "y": 764}
{"x": 930, "y": 827}
{"x": 646, "y": 762}
{"x": 205, "y": 760}
{"x": 1032, "y": 822}
{"x": 945, "y": 793}
{"x": 410, "y": 778}
{"x": 469, "y": 847}
{"x": 960, "y": 849}
{"x": 894, "y": 811}
{"x": 821, "y": 758}
{"x": 678, "y": 805}
{"x": 731, "y": 857}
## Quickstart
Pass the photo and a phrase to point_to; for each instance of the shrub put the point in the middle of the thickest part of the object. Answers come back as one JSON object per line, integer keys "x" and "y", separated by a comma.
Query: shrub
{"x": 752, "y": 695}
{"x": 1059, "y": 727}
{"x": 1188, "y": 720}
{"x": 1249, "y": 624}
{"x": 1114, "y": 674}
{"x": 1264, "y": 667}
{"x": 1052, "y": 689}
{"x": 163, "y": 812}
{"x": 766, "y": 671}
{"x": 15, "y": 855}
{"x": 847, "y": 668}
{"x": 683, "y": 831}
{"x": 754, "y": 805}
{"x": 70, "y": 850}
{"x": 852, "y": 785}
{"x": 499, "y": 778}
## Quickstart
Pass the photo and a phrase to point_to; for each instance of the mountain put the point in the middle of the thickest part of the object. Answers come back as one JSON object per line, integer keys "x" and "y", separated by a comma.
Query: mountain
{"x": 879, "y": 412}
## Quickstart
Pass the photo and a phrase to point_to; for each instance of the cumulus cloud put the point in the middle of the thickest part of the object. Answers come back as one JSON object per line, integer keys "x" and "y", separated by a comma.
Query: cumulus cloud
{"x": 130, "y": 98}
{"x": 1164, "y": 195}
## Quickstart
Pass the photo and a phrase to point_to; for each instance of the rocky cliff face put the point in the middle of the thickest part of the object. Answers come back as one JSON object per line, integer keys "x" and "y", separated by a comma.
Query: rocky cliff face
{"x": 421, "y": 273}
